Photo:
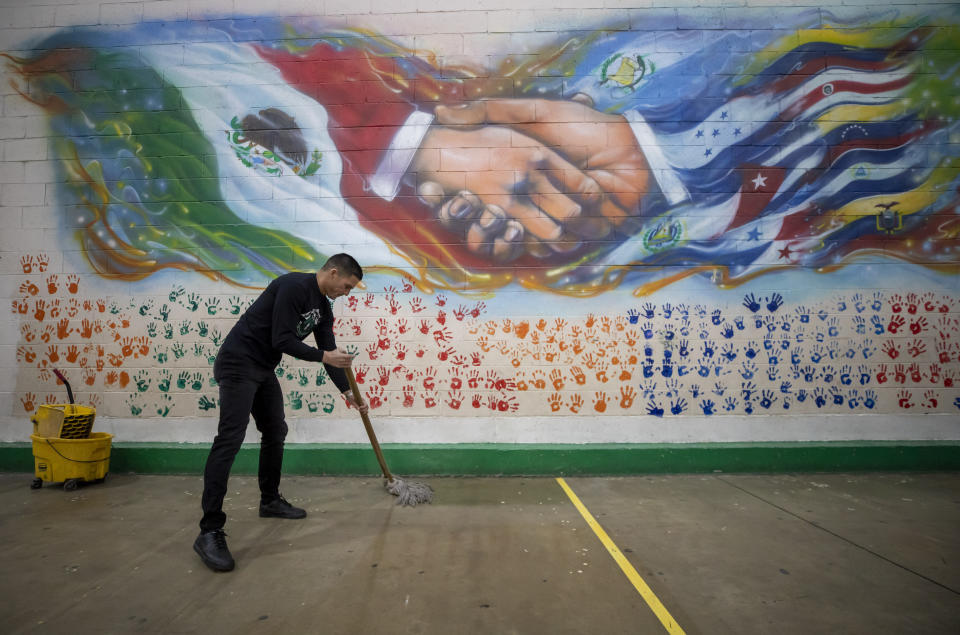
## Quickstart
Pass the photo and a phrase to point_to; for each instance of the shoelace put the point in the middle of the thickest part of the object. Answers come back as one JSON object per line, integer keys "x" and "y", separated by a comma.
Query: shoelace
{"x": 220, "y": 538}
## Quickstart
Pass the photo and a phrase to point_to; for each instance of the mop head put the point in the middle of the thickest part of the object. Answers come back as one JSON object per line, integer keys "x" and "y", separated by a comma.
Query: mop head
{"x": 411, "y": 494}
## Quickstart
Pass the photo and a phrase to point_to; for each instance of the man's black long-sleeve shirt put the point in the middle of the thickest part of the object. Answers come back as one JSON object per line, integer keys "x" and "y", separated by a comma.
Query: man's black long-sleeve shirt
{"x": 289, "y": 309}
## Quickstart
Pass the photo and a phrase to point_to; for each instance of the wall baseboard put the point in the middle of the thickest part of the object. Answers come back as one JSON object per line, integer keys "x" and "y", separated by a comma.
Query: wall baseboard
{"x": 536, "y": 459}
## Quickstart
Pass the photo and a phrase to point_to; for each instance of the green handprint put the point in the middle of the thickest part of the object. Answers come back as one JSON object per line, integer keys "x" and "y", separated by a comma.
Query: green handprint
{"x": 114, "y": 308}
{"x": 202, "y": 329}
{"x": 164, "y": 313}
{"x": 143, "y": 381}
{"x": 167, "y": 331}
{"x": 193, "y": 301}
{"x": 212, "y": 304}
{"x": 163, "y": 408}
{"x": 206, "y": 403}
{"x": 352, "y": 349}
{"x": 178, "y": 350}
{"x": 152, "y": 329}
{"x": 321, "y": 377}
{"x": 176, "y": 293}
{"x": 161, "y": 355}
{"x": 198, "y": 350}
{"x": 213, "y": 381}
{"x": 197, "y": 381}
{"x": 145, "y": 308}
{"x": 328, "y": 404}
{"x": 312, "y": 406}
{"x": 234, "y": 305}
{"x": 280, "y": 371}
{"x": 212, "y": 359}
{"x": 164, "y": 384}
{"x": 296, "y": 400}
{"x": 135, "y": 409}
{"x": 215, "y": 337}
{"x": 184, "y": 328}
{"x": 302, "y": 378}
{"x": 182, "y": 379}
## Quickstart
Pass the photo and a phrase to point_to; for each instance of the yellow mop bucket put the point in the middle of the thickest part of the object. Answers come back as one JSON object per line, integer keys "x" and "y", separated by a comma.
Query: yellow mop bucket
{"x": 71, "y": 460}
{"x": 64, "y": 449}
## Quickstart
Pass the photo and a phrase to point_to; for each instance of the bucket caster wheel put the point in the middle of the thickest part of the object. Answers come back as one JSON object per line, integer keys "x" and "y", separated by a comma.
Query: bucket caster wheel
{"x": 37, "y": 483}
{"x": 70, "y": 485}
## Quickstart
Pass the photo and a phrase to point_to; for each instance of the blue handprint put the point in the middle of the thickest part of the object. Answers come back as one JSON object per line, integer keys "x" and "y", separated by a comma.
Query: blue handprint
{"x": 678, "y": 406}
{"x": 708, "y": 349}
{"x": 869, "y": 398}
{"x": 767, "y": 399}
{"x": 715, "y": 317}
{"x": 653, "y": 408}
{"x": 727, "y": 331}
{"x": 648, "y": 310}
{"x": 633, "y": 316}
{"x": 707, "y": 406}
{"x": 774, "y": 302}
{"x": 751, "y": 303}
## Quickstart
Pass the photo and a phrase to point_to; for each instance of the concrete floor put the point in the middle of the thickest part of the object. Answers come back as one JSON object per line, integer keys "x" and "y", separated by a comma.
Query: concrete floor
{"x": 808, "y": 553}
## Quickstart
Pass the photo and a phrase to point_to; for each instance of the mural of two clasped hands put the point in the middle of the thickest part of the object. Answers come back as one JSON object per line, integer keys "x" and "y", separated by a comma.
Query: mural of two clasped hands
{"x": 535, "y": 177}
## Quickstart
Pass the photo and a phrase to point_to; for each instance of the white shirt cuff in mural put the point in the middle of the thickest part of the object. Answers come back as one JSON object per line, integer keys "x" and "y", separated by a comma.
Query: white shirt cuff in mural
{"x": 670, "y": 184}
{"x": 399, "y": 156}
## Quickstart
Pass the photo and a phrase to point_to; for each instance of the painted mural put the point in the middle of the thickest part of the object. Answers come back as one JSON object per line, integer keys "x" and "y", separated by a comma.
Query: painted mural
{"x": 657, "y": 222}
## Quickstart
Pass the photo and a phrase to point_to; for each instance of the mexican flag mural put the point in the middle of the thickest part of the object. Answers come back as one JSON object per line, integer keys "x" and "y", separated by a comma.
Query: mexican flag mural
{"x": 246, "y": 148}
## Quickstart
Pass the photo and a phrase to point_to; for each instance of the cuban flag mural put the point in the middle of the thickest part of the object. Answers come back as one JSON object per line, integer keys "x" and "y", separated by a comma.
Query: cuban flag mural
{"x": 250, "y": 147}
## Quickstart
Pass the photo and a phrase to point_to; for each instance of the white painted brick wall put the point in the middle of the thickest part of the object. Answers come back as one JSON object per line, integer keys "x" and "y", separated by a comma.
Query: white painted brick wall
{"x": 473, "y": 32}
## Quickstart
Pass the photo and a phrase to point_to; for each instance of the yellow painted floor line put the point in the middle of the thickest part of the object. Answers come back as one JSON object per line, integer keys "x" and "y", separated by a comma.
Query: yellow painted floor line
{"x": 638, "y": 583}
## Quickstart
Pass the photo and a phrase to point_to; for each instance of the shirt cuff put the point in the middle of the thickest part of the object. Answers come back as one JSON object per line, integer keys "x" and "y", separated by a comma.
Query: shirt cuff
{"x": 670, "y": 184}
{"x": 399, "y": 156}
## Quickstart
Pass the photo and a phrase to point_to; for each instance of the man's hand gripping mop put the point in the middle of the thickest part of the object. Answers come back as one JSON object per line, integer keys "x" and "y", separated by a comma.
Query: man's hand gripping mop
{"x": 406, "y": 493}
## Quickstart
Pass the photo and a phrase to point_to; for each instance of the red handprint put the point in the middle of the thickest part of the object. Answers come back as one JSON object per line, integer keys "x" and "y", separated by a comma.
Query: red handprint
{"x": 890, "y": 348}
{"x": 29, "y": 401}
{"x": 26, "y": 263}
{"x": 900, "y": 374}
{"x": 72, "y": 353}
{"x": 600, "y": 401}
{"x": 627, "y": 395}
{"x": 454, "y": 399}
{"x": 73, "y": 283}
{"x": 919, "y": 325}
{"x": 52, "y": 284}
{"x": 63, "y": 328}
{"x": 915, "y": 373}
{"x": 905, "y": 399}
{"x": 408, "y": 393}
{"x": 896, "y": 322}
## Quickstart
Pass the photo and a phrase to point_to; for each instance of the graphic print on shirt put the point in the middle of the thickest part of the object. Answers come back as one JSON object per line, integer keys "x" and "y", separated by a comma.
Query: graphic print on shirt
{"x": 308, "y": 322}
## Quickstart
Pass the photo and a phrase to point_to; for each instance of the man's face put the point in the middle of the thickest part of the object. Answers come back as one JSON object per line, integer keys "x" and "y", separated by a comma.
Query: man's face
{"x": 338, "y": 284}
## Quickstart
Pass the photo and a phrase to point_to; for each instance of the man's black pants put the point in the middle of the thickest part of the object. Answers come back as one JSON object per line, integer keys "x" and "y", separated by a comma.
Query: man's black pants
{"x": 245, "y": 389}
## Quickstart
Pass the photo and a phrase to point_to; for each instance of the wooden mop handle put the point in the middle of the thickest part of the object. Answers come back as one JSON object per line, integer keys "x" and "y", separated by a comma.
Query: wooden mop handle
{"x": 367, "y": 424}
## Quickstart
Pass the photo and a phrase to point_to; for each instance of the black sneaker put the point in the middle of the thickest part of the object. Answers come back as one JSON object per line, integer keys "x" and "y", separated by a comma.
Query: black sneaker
{"x": 211, "y": 546}
{"x": 280, "y": 508}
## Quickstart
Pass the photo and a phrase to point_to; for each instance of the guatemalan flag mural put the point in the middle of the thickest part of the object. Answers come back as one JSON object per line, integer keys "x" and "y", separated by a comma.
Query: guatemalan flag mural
{"x": 246, "y": 148}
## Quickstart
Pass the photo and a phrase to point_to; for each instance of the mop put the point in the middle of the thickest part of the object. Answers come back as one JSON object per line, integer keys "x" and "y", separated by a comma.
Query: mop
{"x": 407, "y": 493}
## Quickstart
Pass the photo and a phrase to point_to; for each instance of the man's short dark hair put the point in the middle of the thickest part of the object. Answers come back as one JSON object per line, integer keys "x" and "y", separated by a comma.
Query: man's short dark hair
{"x": 345, "y": 264}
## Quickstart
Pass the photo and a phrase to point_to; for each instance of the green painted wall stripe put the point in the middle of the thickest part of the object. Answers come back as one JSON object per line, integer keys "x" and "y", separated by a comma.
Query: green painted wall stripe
{"x": 535, "y": 459}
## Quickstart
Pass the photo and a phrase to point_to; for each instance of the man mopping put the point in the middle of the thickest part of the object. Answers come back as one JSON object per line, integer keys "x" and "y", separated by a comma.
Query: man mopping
{"x": 290, "y": 308}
